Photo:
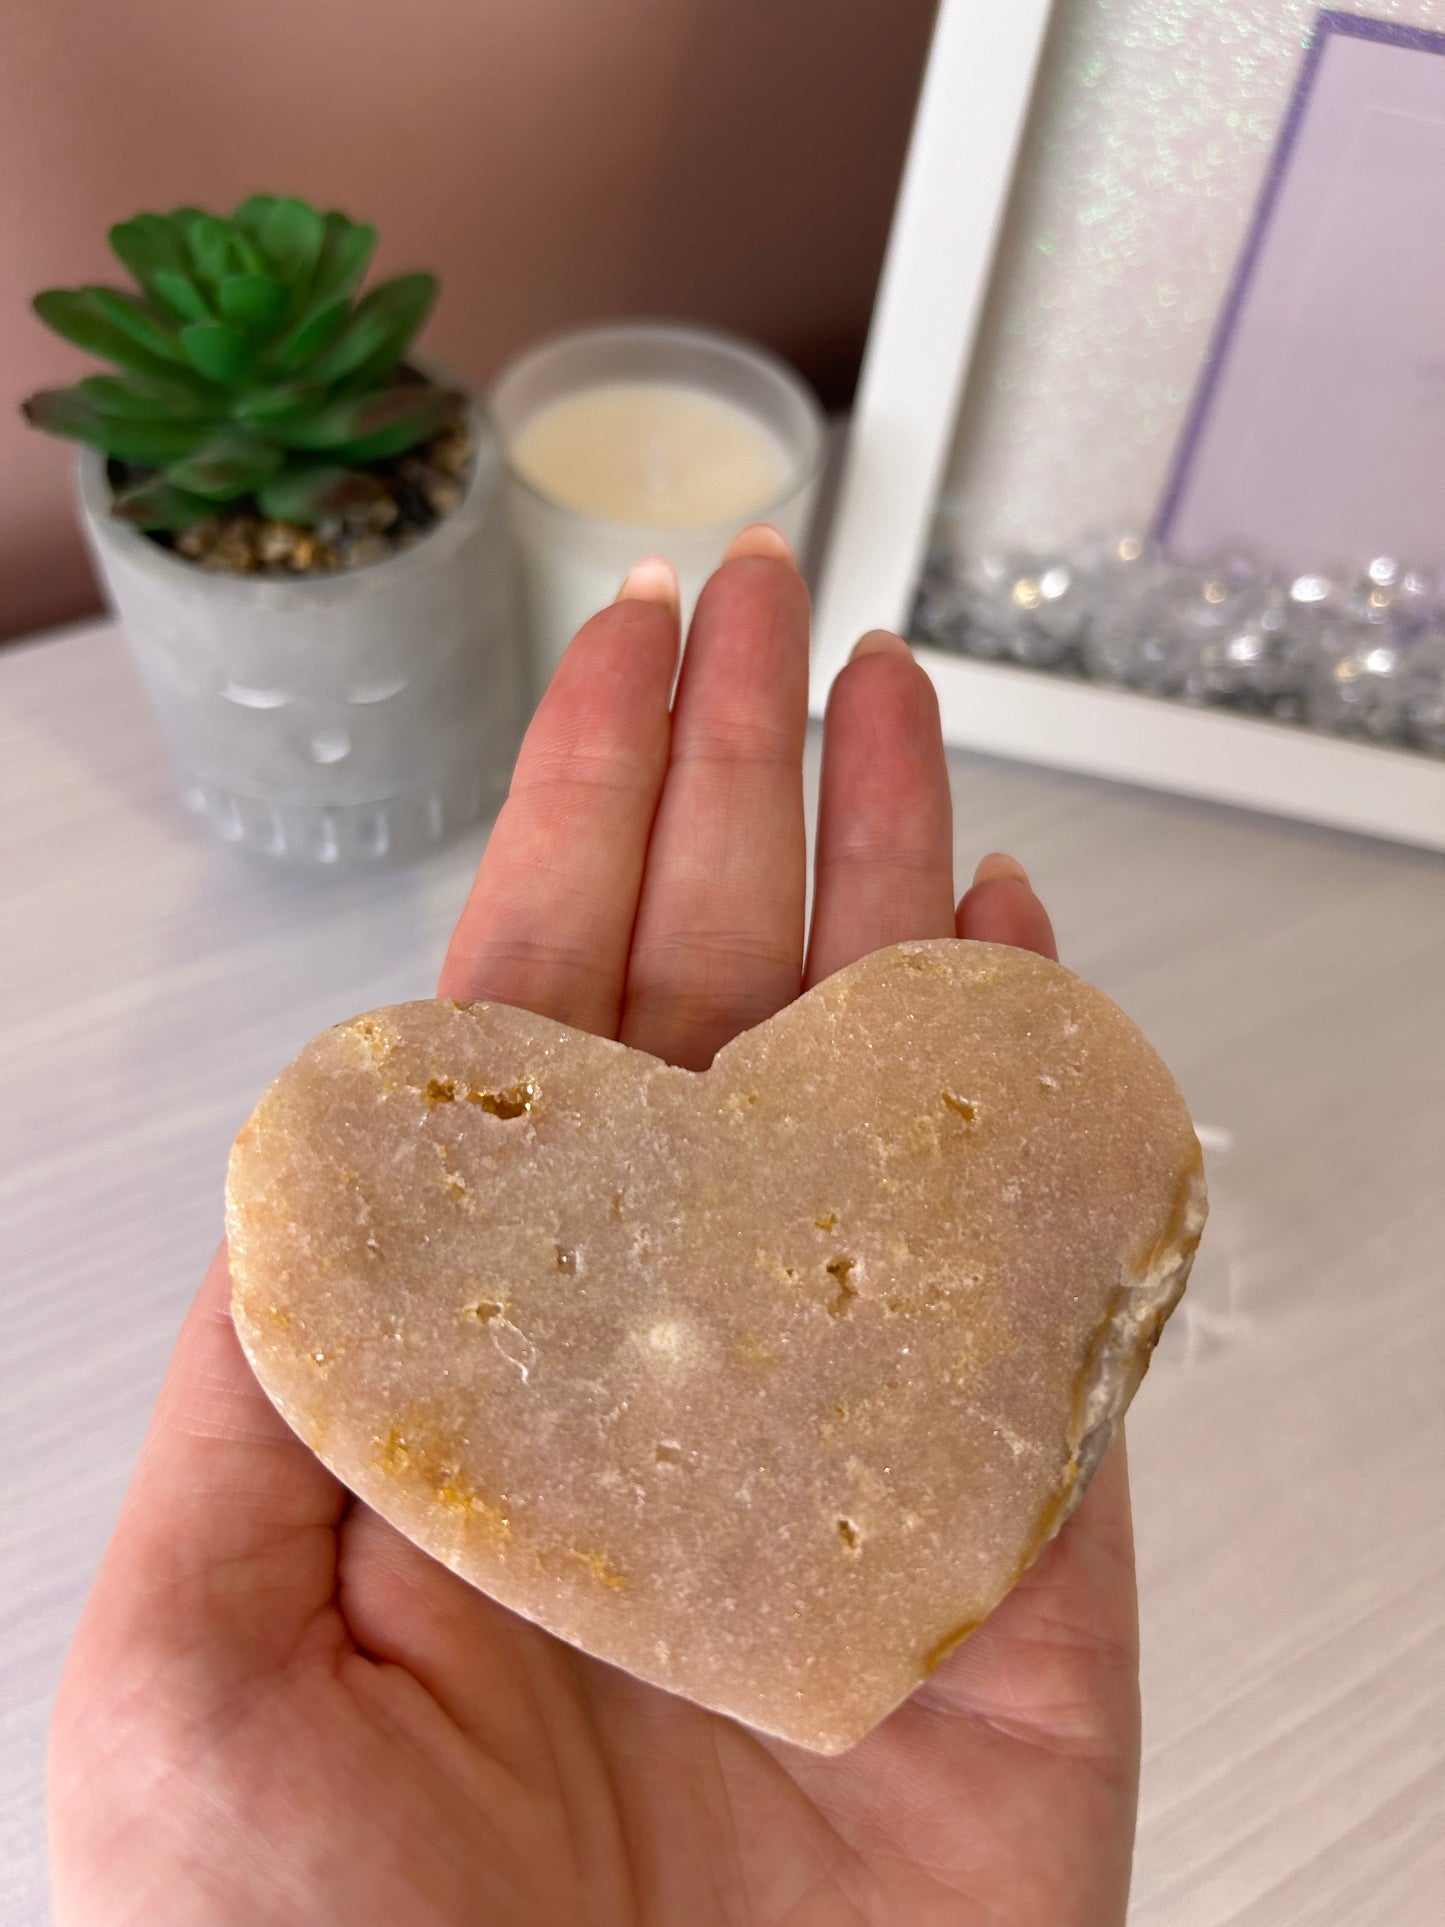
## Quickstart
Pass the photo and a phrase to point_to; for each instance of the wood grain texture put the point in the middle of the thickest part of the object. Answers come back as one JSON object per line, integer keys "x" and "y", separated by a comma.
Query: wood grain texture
{"x": 1286, "y": 1447}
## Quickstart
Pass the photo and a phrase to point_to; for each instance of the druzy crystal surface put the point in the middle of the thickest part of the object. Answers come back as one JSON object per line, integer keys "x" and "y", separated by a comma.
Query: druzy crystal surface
{"x": 765, "y": 1383}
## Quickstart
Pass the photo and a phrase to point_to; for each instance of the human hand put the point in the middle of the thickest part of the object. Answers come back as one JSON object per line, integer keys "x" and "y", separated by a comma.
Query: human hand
{"x": 279, "y": 1713}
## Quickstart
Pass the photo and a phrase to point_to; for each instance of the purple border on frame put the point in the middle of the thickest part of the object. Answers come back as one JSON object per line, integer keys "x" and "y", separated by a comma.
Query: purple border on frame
{"x": 1327, "y": 24}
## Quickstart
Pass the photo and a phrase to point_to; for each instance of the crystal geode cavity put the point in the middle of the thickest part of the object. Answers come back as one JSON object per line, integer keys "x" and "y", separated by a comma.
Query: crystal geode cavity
{"x": 765, "y": 1383}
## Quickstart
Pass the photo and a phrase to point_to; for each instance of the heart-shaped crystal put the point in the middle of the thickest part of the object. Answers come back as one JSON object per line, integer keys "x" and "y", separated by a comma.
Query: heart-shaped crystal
{"x": 765, "y": 1383}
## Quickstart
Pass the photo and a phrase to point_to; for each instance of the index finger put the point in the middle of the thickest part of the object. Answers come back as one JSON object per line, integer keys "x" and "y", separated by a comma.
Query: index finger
{"x": 222, "y": 1485}
{"x": 548, "y": 923}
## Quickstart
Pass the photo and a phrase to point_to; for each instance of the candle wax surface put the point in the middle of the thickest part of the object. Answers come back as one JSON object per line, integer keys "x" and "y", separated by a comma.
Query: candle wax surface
{"x": 661, "y": 455}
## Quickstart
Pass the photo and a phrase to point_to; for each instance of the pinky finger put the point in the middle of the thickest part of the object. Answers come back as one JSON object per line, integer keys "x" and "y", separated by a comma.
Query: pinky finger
{"x": 1001, "y": 907}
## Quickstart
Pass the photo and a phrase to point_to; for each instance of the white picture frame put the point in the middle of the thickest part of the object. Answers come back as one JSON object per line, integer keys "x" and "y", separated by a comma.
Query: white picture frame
{"x": 971, "y": 113}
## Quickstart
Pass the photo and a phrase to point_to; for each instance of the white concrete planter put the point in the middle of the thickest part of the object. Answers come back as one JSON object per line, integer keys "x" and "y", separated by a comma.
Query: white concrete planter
{"x": 335, "y": 719}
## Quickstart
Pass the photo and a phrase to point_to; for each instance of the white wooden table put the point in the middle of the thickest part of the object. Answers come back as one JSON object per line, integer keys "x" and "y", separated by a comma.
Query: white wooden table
{"x": 1288, "y": 1448}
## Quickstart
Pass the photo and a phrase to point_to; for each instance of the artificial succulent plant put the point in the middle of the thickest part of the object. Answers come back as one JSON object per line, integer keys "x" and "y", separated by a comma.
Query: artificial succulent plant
{"x": 248, "y": 369}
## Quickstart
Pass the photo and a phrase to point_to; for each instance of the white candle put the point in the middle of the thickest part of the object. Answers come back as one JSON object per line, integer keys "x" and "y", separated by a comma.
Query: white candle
{"x": 645, "y": 440}
{"x": 659, "y": 455}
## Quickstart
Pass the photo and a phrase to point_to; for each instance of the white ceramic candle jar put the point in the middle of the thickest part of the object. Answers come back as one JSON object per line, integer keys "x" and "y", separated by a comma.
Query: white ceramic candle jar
{"x": 645, "y": 439}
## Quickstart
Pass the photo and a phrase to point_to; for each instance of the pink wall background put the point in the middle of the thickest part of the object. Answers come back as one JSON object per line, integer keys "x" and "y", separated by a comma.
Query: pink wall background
{"x": 732, "y": 161}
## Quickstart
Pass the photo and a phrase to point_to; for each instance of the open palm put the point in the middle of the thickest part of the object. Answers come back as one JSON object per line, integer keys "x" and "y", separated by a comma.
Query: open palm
{"x": 279, "y": 1713}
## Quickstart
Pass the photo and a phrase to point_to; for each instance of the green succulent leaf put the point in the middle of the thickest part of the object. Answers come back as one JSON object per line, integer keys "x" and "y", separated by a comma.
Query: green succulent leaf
{"x": 290, "y": 236}
{"x": 285, "y": 401}
{"x": 137, "y": 319}
{"x": 368, "y": 428}
{"x": 345, "y": 255}
{"x": 253, "y": 302}
{"x": 381, "y": 329}
{"x": 246, "y": 366}
{"x": 310, "y": 336}
{"x": 218, "y": 351}
{"x": 137, "y": 398}
{"x": 209, "y": 240}
{"x": 180, "y": 221}
{"x": 158, "y": 504}
{"x": 66, "y": 412}
{"x": 181, "y": 294}
{"x": 308, "y": 495}
{"x": 250, "y": 216}
{"x": 230, "y": 465}
{"x": 149, "y": 248}
{"x": 247, "y": 258}
{"x": 74, "y": 314}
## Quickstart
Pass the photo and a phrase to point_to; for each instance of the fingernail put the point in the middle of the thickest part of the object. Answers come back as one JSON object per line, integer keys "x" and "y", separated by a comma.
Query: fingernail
{"x": 879, "y": 642}
{"x": 999, "y": 864}
{"x": 761, "y": 538}
{"x": 653, "y": 580}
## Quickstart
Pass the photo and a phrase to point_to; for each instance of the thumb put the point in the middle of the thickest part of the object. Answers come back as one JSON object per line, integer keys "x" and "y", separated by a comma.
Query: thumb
{"x": 226, "y": 1540}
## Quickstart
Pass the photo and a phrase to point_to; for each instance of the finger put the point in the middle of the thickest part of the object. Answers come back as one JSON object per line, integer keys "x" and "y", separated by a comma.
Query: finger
{"x": 885, "y": 819}
{"x": 1001, "y": 908}
{"x": 226, "y": 1537}
{"x": 549, "y": 919}
{"x": 719, "y": 939}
